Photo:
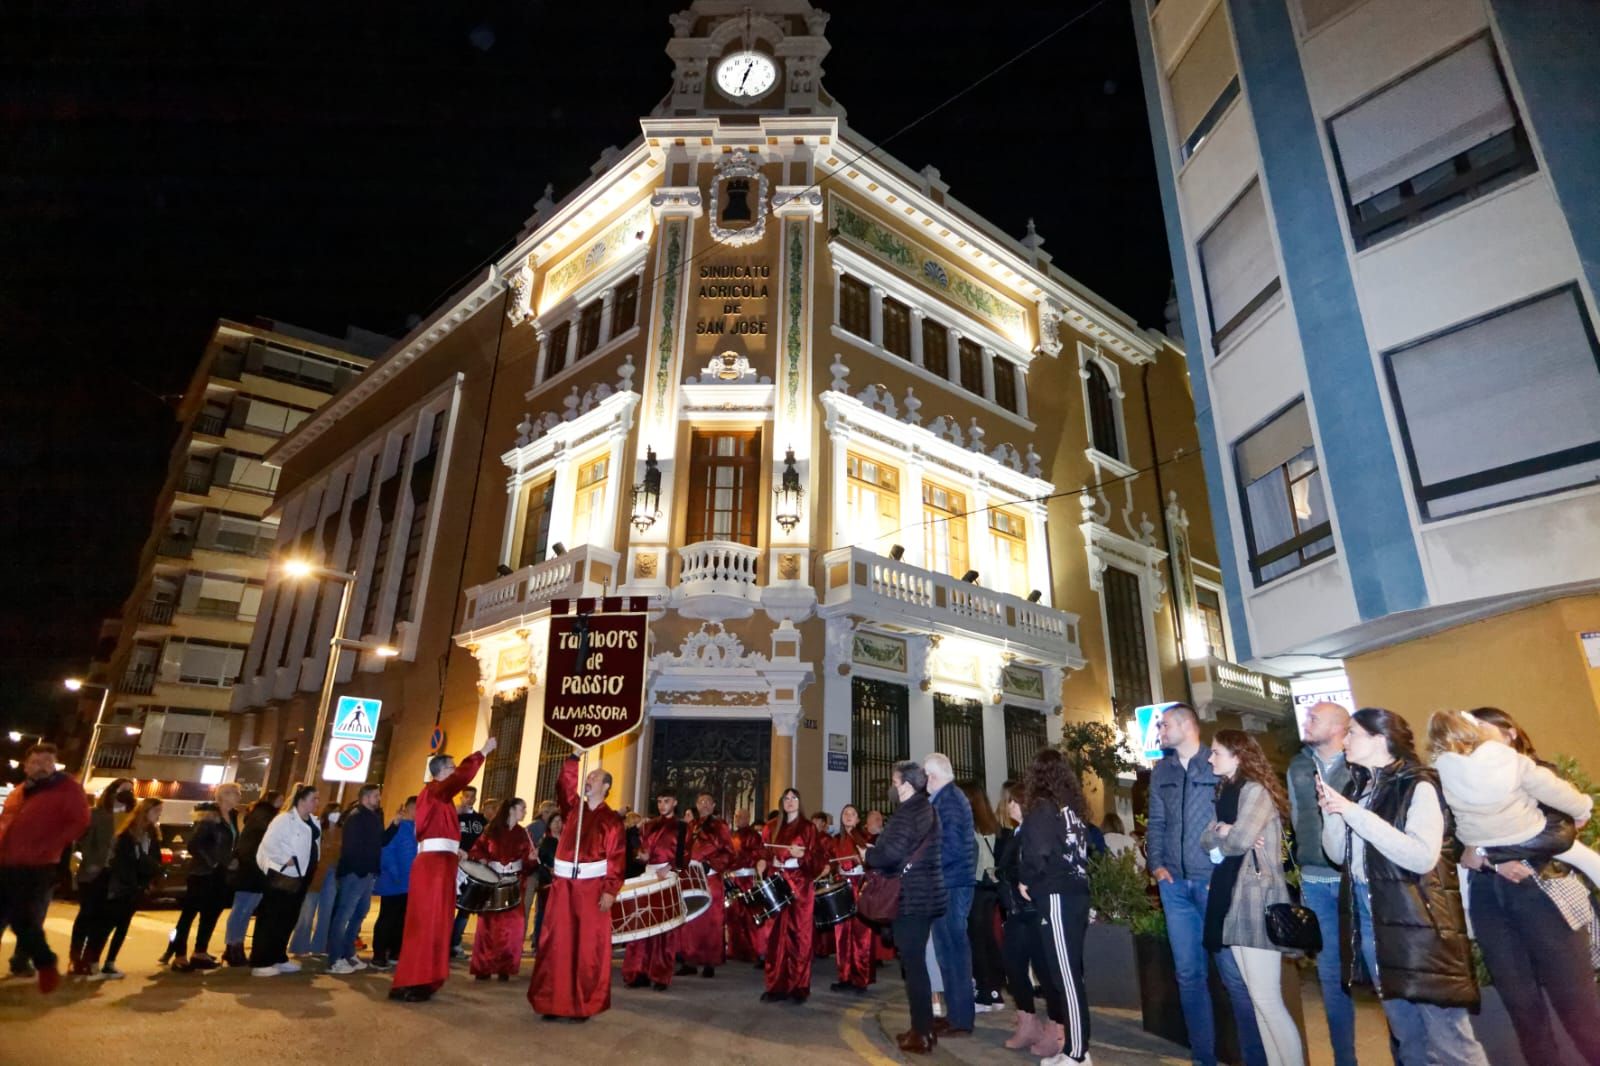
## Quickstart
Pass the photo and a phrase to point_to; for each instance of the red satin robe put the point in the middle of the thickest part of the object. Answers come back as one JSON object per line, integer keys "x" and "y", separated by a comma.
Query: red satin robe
{"x": 702, "y": 938}
{"x": 431, "y": 905}
{"x": 653, "y": 957}
{"x": 572, "y": 972}
{"x": 854, "y": 940}
{"x": 497, "y": 945}
{"x": 789, "y": 948}
{"x": 747, "y": 942}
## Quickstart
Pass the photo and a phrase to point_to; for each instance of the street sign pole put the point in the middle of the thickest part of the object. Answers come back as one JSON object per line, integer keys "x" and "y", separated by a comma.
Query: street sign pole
{"x": 334, "y": 643}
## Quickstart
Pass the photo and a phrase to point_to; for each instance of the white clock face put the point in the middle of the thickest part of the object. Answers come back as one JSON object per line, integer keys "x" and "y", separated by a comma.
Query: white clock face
{"x": 746, "y": 74}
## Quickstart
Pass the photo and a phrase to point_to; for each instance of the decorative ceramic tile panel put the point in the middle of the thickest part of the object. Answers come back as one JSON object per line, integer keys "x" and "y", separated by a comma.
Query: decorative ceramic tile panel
{"x": 606, "y": 249}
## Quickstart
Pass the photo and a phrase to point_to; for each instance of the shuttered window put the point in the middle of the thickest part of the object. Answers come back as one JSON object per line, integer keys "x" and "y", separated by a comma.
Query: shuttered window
{"x": 1238, "y": 265}
{"x": 1204, "y": 82}
{"x": 1125, "y": 618}
{"x": 589, "y": 320}
{"x": 536, "y": 523}
{"x": 874, "y": 500}
{"x": 944, "y": 530}
{"x": 855, "y": 306}
{"x": 935, "y": 348}
{"x": 556, "y": 346}
{"x": 896, "y": 327}
{"x": 1103, "y": 406}
{"x": 625, "y": 306}
{"x": 724, "y": 481}
{"x": 1005, "y": 384}
{"x": 971, "y": 355}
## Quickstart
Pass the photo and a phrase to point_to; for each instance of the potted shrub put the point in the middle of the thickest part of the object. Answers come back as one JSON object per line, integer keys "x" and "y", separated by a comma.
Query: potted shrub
{"x": 1117, "y": 900}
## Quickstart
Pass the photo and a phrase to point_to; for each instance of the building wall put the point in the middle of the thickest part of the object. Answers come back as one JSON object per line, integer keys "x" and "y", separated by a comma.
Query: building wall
{"x": 1530, "y": 663}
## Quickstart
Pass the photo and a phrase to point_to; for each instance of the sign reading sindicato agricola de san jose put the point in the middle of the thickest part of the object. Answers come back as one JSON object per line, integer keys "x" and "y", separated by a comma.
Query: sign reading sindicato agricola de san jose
{"x": 594, "y": 687}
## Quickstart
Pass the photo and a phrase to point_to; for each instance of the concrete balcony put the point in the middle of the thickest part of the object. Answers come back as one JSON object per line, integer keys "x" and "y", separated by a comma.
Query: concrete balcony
{"x": 1220, "y": 685}
{"x": 584, "y": 571}
{"x": 896, "y": 594}
{"x": 717, "y": 580}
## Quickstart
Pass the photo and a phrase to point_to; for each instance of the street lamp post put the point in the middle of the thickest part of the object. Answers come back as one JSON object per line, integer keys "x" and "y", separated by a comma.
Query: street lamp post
{"x": 296, "y": 569}
{"x": 74, "y": 684}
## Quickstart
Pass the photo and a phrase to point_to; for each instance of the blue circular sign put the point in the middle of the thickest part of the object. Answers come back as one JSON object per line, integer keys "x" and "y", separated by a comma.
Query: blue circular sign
{"x": 436, "y": 742}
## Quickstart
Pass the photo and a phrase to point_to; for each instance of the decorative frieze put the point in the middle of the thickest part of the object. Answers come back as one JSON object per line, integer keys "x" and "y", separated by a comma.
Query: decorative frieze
{"x": 621, "y": 237}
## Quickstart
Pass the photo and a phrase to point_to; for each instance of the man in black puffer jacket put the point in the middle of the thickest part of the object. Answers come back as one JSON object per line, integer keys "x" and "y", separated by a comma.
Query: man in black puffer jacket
{"x": 909, "y": 849}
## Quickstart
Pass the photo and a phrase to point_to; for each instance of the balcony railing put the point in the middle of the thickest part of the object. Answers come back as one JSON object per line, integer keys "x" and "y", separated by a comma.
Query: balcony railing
{"x": 157, "y": 614}
{"x": 139, "y": 680}
{"x": 194, "y": 484}
{"x": 211, "y": 425}
{"x": 176, "y": 547}
{"x": 900, "y": 594}
{"x": 1220, "y": 685}
{"x": 114, "y": 756}
{"x": 583, "y": 571}
{"x": 718, "y": 579}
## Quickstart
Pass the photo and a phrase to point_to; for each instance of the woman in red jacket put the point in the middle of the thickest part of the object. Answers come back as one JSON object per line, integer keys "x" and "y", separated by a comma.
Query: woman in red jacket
{"x": 794, "y": 849}
{"x": 854, "y": 941}
{"x": 506, "y": 846}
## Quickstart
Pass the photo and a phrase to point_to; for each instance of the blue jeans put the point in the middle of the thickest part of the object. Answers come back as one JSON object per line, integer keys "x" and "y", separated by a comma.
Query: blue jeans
{"x": 1428, "y": 1035}
{"x": 1322, "y": 899}
{"x": 244, "y": 905}
{"x": 955, "y": 957}
{"x": 311, "y": 934}
{"x": 351, "y": 900}
{"x": 1184, "y": 903}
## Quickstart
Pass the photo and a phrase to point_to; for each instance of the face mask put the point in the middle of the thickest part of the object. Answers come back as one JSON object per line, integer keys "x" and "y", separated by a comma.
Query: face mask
{"x": 333, "y": 817}
{"x": 125, "y": 800}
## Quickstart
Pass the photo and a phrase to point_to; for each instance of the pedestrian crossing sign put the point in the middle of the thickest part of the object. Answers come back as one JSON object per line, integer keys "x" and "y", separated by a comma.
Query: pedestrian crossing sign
{"x": 1147, "y": 721}
{"x": 356, "y": 718}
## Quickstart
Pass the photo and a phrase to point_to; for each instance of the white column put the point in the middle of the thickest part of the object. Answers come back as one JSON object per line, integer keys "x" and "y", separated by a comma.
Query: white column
{"x": 916, "y": 336}
{"x": 838, "y": 272}
{"x": 980, "y": 542}
{"x": 837, "y": 709}
{"x": 606, "y": 301}
{"x": 838, "y": 446}
{"x": 994, "y": 747}
{"x": 573, "y": 326}
{"x": 562, "y": 501}
{"x": 920, "y": 706}
{"x": 953, "y": 357}
{"x": 910, "y": 535}
{"x": 988, "y": 373}
{"x": 1021, "y": 380}
{"x": 1038, "y": 553}
{"x": 508, "y": 536}
{"x": 541, "y": 359}
{"x": 616, "y": 484}
{"x": 875, "y": 315}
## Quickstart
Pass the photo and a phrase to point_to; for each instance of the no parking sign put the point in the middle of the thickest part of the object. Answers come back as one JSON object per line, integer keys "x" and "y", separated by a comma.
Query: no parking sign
{"x": 348, "y": 760}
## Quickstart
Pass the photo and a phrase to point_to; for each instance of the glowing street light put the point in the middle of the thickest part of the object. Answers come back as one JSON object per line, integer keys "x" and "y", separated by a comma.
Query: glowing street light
{"x": 78, "y": 684}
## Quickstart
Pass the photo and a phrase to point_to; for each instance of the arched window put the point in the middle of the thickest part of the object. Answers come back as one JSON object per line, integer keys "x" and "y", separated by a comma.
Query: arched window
{"x": 1102, "y": 412}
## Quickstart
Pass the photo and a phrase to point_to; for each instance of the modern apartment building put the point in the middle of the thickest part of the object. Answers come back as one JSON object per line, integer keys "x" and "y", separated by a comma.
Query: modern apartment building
{"x": 1384, "y": 219}
{"x": 187, "y": 622}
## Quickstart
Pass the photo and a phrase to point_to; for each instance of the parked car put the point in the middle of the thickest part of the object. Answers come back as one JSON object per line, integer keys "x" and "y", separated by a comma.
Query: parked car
{"x": 177, "y": 825}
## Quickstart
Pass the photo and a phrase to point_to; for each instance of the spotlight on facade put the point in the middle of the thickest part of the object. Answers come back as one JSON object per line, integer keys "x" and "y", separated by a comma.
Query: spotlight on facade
{"x": 1035, "y": 596}
{"x": 503, "y": 570}
{"x": 897, "y": 552}
{"x": 133, "y": 730}
{"x": 73, "y": 684}
{"x": 789, "y": 494}
{"x": 558, "y": 549}
{"x": 297, "y": 568}
{"x": 647, "y": 494}
{"x": 386, "y": 651}
{"x": 970, "y": 577}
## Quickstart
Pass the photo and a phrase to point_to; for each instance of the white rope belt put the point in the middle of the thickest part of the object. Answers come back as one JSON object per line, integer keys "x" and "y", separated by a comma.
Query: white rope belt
{"x": 743, "y": 871}
{"x": 582, "y": 871}
{"x": 791, "y": 864}
{"x": 438, "y": 844}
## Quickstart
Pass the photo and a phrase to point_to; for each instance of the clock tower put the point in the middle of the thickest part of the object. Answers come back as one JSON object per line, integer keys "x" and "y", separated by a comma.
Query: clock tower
{"x": 734, "y": 57}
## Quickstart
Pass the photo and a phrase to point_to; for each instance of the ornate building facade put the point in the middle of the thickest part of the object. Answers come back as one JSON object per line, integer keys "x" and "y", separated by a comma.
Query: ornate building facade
{"x": 890, "y": 482}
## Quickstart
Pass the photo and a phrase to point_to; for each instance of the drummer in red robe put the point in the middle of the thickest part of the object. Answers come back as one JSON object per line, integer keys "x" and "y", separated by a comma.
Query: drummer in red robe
{"x": 662, "y": 846}
{"x": 505, "y": 846}
{"x": 572, "y": 969}
{"x": 702, "y": 940}
{"x": 747, "y": 941}
{"x": 795, "y": 850}
{"x": 854, "y": 940}
{"x": 431, "y": 906}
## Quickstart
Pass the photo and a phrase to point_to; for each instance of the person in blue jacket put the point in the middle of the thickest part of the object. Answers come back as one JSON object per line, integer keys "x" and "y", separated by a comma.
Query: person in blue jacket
{"x": 394, "y": 884}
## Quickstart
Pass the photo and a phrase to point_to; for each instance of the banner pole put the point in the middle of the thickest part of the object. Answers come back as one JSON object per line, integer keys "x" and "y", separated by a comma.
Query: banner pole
{"x": 577, "y": 855}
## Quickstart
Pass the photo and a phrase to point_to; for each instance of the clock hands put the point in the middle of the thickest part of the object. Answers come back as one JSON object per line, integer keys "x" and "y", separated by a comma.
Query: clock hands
{"x": 750, "y": 64}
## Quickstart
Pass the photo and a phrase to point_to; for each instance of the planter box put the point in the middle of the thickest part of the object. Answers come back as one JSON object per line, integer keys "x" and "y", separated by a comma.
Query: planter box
{"x": 1162, "y": 1011}
{"x": 1111, "y": 966}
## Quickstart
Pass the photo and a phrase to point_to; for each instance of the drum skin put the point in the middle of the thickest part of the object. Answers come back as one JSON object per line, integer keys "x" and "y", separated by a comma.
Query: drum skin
{"x": 696, "y": 890}
{"x": 769, "y": 896}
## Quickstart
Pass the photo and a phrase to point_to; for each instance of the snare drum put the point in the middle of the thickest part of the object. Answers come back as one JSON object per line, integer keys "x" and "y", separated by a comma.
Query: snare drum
{"x": 835, "y": 902}
{"x": 696, "y": 890}
{"x": 646, "y": 906}
{"x": 481, "y": 890}
{"x": 769, "y": 896}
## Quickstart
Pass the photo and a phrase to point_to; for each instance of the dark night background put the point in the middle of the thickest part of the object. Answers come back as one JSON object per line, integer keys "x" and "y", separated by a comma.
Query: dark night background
{"x": 326, "y": 164}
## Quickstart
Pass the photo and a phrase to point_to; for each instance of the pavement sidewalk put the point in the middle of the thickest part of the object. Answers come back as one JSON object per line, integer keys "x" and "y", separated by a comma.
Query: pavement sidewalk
{"x": 1117, "y": 1038}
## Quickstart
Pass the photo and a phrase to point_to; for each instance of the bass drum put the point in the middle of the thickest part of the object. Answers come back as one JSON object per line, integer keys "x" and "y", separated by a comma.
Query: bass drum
{"x": 481, "y": 890}
{"x": 646, "y": 906}
{"x": 696, "y": 890}
{"x": 769, "y": 896}
{"x": 835, "y": 902}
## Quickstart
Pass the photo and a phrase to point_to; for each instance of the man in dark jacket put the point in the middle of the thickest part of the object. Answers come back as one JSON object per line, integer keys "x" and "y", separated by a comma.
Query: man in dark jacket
{"x": 359, "y": 862}
{"x": 958, "y": 850}
{"x": 1324, "y": 730}
{"x": 41, "y": 817}
{"x": 1183, "y": 791}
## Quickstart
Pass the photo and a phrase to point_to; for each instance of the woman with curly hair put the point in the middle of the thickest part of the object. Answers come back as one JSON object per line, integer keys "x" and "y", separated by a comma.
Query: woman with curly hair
{"x": 1053, "y": 873}
{"x": 1248, "y": 834}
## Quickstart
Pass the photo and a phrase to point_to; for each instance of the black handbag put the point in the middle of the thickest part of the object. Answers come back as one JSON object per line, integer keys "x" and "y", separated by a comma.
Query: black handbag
{"x": 279, "y": 881}
{"x": 1290, "y": 925}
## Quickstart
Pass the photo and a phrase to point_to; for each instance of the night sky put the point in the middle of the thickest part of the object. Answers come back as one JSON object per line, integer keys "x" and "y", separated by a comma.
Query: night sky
{"x": 168, "y": 164}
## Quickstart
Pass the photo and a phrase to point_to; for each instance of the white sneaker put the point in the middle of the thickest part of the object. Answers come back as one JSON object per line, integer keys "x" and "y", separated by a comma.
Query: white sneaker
{"x": 1063, "y": 1059}
{"x": 342, "y": 967}
{"x": 287, "y": 967}
{"x": 355, "y": 964}
{"x": 983, "y": 1008}
{"x": 264, "y": 971}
